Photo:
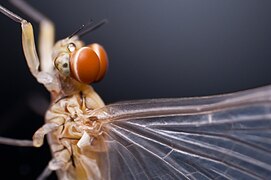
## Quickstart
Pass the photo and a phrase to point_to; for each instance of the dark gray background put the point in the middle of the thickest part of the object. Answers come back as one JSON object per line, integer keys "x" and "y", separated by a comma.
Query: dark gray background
{"x": 156, "y": 48}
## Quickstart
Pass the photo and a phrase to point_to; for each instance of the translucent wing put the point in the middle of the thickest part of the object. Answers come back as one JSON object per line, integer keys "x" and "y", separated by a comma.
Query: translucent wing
{"x": 216, "y": 137}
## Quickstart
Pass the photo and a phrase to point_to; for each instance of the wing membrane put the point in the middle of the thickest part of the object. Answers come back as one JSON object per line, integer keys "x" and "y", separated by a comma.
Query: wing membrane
{"x": 217, "y": 137}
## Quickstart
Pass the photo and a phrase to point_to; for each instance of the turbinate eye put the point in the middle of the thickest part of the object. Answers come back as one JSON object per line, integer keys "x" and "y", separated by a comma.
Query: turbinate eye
{"x": 62, "y": 64}
{"x": 99, "y": 50}
{"x": 89, "y": 64}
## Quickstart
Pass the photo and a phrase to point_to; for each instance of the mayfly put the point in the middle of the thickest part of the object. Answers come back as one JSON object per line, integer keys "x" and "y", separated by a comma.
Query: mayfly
{"x": 216, "y": 137}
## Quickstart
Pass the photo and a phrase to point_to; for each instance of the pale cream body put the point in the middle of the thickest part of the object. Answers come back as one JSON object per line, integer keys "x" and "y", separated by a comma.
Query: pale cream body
{"x": 78, "y": 142}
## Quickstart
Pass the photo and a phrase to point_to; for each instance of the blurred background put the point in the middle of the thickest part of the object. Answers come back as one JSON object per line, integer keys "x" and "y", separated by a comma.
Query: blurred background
{"x": 156, "y": 49}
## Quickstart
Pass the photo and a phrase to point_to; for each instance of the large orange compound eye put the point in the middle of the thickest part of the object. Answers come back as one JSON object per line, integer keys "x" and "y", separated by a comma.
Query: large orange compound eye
{"x": 99, "y": 50}
{"x": 88, "y": 64}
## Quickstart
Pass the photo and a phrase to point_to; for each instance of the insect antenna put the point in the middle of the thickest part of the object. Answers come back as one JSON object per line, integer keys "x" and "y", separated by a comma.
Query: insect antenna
{"x": 92, "y": 28}
{"x": 81, "y": 28}
{"x": 87, "y": 28}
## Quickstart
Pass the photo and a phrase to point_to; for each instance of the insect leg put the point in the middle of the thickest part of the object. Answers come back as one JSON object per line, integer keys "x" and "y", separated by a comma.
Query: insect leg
{"x": 30, "y": 52}
{"x": 59, "y": 162}
{"x": 46, "y": 36}
{"x": 11, "y": 15}
{"x": 46, "y": 172}
{"x": 16, "y": 142}
{"x": 27, "y": 39}
{"x": 41, "y": 132}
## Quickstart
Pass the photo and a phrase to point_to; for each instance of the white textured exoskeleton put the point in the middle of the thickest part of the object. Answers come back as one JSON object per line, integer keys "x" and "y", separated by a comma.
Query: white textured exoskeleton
{"x": 217, "y": 137}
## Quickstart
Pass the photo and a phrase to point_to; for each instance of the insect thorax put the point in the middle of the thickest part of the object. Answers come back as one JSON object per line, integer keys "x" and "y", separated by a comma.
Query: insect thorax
{"x": 78, "y": 143}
